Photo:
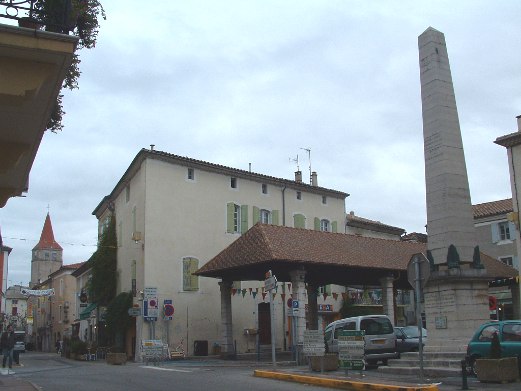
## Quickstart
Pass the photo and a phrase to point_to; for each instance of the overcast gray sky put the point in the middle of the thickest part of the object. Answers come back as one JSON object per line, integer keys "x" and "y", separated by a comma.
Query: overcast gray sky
{"x": 239, "y": 82}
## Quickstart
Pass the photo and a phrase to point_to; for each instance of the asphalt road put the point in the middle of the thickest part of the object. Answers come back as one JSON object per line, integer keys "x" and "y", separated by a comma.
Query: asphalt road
{"x": 52, "y": 373}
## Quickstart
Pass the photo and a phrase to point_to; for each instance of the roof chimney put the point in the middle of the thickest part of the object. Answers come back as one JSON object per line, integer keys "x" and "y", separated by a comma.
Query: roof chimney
{"x": 152, "y": 147}
{"x": 314, "y": 180}
{"x": 519, "y": 123}
{"x": 298, "y": 176}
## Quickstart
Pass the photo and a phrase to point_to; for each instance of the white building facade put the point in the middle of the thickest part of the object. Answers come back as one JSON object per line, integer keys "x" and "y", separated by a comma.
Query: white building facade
{"x": 173, "y": 214}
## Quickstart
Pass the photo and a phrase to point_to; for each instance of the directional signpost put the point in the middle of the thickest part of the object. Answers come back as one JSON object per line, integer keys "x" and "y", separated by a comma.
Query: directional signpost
{"x": 270, "y": 283}
{"x": 418, "y": 272}
{"x": 351, "y": 348}
{"x": 314, "y": 345}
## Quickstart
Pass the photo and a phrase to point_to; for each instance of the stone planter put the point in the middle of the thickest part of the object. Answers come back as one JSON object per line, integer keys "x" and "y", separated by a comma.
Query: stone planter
{"x": 116, "y": 358}
{"x": 497, "y": 370}
{"x": 330, "y": 362}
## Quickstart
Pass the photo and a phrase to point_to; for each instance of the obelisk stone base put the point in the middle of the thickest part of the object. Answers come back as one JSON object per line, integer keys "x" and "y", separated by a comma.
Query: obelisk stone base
{"x": 456, "y": 303}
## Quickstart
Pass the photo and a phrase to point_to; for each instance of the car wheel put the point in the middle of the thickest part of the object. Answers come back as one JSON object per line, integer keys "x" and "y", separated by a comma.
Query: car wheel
{"x": 384, "y": 362}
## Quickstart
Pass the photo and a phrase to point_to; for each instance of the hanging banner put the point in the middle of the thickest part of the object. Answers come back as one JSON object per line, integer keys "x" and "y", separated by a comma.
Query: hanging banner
{"x": 39, "y": 292}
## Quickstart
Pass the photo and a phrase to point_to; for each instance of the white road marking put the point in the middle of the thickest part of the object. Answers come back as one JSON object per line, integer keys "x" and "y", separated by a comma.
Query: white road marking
{"x": 167, "y": 369}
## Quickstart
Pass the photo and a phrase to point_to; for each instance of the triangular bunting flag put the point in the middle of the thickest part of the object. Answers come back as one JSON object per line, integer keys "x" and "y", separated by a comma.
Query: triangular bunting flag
{"x": 325, "y": 296}
{"x": 243, "y": 292}
{"x": 234, "y": 291}
{"x": 254, "y": 294}
{"x": 263, "y": 295}
{"x": 344, "y": 296}
{"x": 335, "y": 295}
{"x": 283, "y": 295}
{"x": 273, "y": 295}
{"x": 250, "y": 290}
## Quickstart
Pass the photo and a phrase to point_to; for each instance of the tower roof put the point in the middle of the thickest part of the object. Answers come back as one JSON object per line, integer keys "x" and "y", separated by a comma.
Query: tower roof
{"x": 47, "y": 241}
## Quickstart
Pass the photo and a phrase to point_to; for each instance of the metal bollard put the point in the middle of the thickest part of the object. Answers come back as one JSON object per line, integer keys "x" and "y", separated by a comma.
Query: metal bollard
{"x": 464, "y": 384}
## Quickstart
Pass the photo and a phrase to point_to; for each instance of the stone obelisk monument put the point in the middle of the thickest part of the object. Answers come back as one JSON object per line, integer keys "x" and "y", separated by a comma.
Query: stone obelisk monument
{"x": 456, "y": 296}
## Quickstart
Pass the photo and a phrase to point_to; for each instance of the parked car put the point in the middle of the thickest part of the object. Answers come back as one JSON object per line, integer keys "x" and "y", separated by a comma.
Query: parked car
{"x": 408, "y": 338}
{"x": 509, "y": 332}
{"x": 380, "y": 341}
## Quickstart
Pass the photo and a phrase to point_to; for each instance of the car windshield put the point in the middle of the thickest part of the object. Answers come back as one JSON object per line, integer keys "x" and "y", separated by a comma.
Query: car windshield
{"x": 376, "y": 326}
{"x": 412, "y": 332}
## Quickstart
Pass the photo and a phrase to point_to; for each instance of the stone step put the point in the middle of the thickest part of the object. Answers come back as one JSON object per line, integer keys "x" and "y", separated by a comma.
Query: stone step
{"x": 432, "y": 372}
{"x": 435, "y": 363}
{"x": 433, "y": 355}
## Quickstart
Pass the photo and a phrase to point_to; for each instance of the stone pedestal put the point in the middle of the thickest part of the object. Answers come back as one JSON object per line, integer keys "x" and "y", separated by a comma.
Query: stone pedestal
{"x": 456, "y": 303}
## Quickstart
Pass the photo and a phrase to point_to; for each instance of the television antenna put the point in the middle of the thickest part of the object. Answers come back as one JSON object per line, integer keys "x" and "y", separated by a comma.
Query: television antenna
{"x": 295, "y": 161}
{"x": 308, "y": 150}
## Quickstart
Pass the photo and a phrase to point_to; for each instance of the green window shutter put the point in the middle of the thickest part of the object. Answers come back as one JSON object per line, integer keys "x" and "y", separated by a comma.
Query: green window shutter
{"x": 194, "y": 280}
{"x": 230, "y": 206}
{"x": 275, "y": 217}
{"x": 334, "y": 226}
{"x": 186, "y": 274}
{"x": 190, "y": 282}
{"x": 317, "y": 224}
{"x": 244, "y": 218}
{"x": 256, "y": 215}
{"x": 328, "y": 289}
{"x": 299, "y": 221}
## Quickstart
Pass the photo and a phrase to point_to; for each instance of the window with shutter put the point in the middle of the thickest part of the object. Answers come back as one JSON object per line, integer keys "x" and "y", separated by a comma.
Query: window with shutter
{"x": 190, "y": 281}
{"x": 275, "y": 217}
{"x": 265, "y": 216}
{"x": 316, "y": 224}
{"x": 256, "y": 215}
{"x": 243, "y": 219}
{"x": 299, "y": 221}
{"x": 334, "y": 227}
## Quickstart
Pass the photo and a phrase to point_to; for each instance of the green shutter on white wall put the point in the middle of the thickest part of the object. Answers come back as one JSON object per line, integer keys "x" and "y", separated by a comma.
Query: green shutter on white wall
{"x": 275, "y": 217}
{"x": 230, "y": 208}
{"x": 244, "y": 218}
{"x": 256, "y": 215}
{"x": 190, "y": 281}
{"x": 299, "y": 221}
{"x": 334, "y": 226}
{"x": 194, "y": 280}
{"x": 317, "y": 224}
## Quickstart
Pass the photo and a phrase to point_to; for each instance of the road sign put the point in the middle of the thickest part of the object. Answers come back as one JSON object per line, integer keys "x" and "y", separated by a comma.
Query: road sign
{"x": 150, "y": 309}
{"x": 314, "y": 344}
{"x": 168, "y": 309}
{"x": 351, "y": 349}
{"x": 150, "y": 292}
{"x": 425, "y": 270}
{"x": 270, "y": 283}
{"x": 134, "y": 311}
{"x": 295, "y": 304}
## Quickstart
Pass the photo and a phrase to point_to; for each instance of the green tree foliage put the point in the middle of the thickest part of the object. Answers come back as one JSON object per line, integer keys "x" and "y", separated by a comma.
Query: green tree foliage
{"x": 102, "y": 286}
{"x": 81, "y": 17}
{"x": 117, "y": 319}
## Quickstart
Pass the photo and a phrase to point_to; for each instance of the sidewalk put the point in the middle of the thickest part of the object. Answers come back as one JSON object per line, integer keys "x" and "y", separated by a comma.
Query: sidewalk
{"x": 11, "y": 383}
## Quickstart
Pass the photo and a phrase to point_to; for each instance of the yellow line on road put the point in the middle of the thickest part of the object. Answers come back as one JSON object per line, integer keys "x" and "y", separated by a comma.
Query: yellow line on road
{"x": 341, "y": 383}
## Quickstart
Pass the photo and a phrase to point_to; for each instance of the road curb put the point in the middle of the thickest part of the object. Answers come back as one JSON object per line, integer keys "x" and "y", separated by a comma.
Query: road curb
{"x": 342, "y": 384}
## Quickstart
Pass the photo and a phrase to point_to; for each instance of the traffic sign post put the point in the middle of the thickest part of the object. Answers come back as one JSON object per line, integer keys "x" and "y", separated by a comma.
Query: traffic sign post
{"x": 270, "y": 283}
{"x": 418, "y": 272}
{"x": 351, "y": 349}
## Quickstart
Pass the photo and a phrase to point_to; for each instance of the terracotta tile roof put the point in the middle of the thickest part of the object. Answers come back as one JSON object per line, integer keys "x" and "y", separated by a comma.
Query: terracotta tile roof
{"x": 492, "y": 208}
{"x": 416, "y": 237}
{"x": 47, "y": 241}
{"x": 210, "y": 167}
{"x": 329, "y": 258}
{"x": 361, "y": 222}
{"x": 496, "y": 268}
{"x": 510, "y": 140}
{"x": 72, "y": 266}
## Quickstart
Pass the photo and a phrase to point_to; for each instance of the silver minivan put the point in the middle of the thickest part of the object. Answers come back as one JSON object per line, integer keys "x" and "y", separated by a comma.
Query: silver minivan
{"x": 380, "y": 340}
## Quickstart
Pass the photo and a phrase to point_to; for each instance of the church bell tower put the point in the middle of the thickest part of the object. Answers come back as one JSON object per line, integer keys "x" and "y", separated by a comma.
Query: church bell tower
{"x": 47, "y": 255}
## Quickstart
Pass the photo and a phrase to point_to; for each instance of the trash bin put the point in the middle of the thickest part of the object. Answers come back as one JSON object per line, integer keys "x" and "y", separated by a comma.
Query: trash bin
{"x": 200, "y": 348}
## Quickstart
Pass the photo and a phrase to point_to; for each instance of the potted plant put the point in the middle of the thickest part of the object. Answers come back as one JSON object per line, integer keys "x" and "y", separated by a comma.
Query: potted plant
{"x": 81, "y": 17}
{"x": 495, "y": 368}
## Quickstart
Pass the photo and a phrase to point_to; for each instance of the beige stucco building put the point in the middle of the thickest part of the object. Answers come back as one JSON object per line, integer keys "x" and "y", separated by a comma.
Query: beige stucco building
{"x": 173, "y": 214}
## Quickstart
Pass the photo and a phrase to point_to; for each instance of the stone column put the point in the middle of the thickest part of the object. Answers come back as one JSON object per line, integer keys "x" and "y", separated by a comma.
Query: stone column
{"x": 298, "y": 291}
{"x": 312, "y": 315}
{"x": 227, "y": 349}
{"x": 449, "y": 208}
{"x": 388, "y": 297}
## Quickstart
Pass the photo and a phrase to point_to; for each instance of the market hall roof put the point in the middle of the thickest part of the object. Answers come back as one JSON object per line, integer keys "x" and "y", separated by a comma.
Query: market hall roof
{"x": 328, "y": 258}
